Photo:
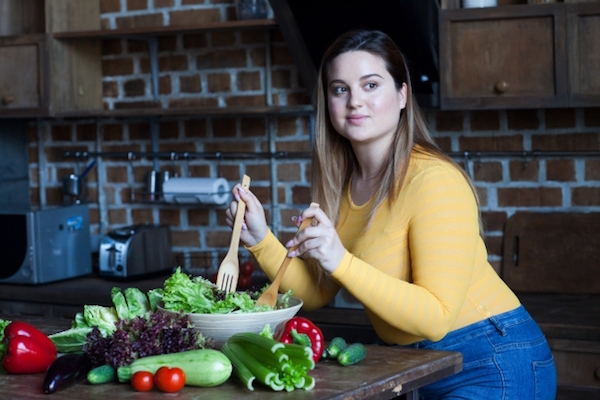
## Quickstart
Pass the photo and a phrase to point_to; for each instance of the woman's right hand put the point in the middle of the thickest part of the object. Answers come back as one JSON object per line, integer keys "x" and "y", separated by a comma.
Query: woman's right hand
{"x": 254, "y": 227}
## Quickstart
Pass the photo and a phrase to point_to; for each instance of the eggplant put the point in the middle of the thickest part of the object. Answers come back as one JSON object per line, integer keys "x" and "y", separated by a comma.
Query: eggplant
{"x": 66, "y": 371}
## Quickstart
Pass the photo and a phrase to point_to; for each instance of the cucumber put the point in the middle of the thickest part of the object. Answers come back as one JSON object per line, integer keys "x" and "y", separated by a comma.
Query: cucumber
{"x": 352, "y": 354}
{"x": 204, "y": 367}
{"x": 102, "y": 374}
{"x": 336, "y": 345}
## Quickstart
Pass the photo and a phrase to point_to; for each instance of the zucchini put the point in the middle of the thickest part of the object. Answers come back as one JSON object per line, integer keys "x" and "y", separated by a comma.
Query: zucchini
{"x": 336, "y": 345}
{"x": 102, "y": 374}
{"x": 352, "y": 354}
{"x": 204, "y": 367}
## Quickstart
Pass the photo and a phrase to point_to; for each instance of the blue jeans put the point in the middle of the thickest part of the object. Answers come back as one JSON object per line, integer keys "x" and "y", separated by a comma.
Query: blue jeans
{"x": 504, "y": 357}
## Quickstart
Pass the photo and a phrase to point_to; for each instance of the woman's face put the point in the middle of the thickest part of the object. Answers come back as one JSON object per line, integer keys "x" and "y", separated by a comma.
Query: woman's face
{"x": 364, "y": 104}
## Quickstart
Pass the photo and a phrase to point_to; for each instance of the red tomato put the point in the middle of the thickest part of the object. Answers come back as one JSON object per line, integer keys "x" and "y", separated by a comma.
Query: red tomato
{"x": 142, "y": 381}
{"x": 244, "y": 282}
{"x": 169, "y": 380}
{"x": 247, "y": 268}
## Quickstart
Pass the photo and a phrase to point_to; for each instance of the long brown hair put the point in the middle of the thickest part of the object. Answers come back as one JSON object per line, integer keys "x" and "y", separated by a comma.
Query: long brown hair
{"x": 333, "y": 160}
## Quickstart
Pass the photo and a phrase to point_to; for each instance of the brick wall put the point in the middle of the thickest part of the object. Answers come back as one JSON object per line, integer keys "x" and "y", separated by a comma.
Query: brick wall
{"x": 227, "y": 69}
{"x": 507, "y": 185}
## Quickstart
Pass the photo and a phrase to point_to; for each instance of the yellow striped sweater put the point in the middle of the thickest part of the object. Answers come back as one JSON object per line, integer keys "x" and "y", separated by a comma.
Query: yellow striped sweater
{"x": 421, "y": 269}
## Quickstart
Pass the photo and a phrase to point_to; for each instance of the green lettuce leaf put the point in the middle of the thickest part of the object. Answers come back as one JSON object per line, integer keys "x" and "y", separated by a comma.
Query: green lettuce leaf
{"x": 71, "y": 340}
{"x": 155, "y": 296}
{"x": 199, "y": 295}
{"x": 79, "y": 321}
{"x": 181, "y": 293}
{"x": 137, "y": 302}
{"x": 120, "y": 303}
{"x": 104, "y": 318}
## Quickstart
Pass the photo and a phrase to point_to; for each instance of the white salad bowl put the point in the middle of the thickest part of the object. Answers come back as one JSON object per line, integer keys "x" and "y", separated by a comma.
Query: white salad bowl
{"x": 221, "y": 327}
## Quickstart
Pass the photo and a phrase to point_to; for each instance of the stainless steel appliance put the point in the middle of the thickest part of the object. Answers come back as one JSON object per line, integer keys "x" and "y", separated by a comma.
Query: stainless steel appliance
{"x": 136, "y": 250}
{"x": 44, "y": 245}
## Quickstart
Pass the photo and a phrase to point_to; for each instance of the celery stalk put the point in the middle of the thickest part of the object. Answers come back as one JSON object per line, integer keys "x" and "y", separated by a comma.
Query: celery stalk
{"x": 263, "y": 374}
{"x": 260, "y": 353}
{"x": 277, "y": 365}
{"x": 239, "y": 368}
{"x": 298, "y": 352}
{"x": 276, "y": 383}
{"x": 248, "y": 338}
{"x": 309, "y": 382}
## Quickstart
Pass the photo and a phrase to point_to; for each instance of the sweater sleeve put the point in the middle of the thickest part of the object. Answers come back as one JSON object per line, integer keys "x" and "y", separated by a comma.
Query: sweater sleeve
{"x": 442, "y": 229}
{"x": 270, "y": 253}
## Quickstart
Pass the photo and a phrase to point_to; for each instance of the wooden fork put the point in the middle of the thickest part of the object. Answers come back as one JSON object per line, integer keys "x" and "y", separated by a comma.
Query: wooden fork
{"x": 229, "y": 270}
{"x": 269, "y": 296}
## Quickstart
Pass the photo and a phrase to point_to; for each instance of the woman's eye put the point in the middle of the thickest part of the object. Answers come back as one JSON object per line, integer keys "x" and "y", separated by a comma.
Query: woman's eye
{"x": 339, "y": 89}
{"x": 371, "y": 85}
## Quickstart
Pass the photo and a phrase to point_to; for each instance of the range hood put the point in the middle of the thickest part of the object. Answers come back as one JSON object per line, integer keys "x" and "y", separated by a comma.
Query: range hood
{"x": 310, "y": 26}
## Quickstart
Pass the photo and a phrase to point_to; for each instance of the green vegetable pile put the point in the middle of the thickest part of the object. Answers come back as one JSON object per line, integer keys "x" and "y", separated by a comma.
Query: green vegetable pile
{"x": 198, "y": 295}
{"x": 158, "y": 333}
{"x": 134, "y": 303}
{"x": 274, "y": 364}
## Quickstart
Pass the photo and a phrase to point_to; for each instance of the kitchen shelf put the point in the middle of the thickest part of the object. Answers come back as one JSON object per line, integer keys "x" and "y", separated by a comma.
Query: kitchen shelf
{"x": 141, "y": 33}
{"x": 248, "y": 111}
{"x": 131, "y": 155}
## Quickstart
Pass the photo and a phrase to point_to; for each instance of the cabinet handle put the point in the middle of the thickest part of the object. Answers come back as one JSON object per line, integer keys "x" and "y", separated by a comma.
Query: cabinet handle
{"x": 6, "y": 100}
{"x": 597, "y": 373}
{"x": 501, "y": 86}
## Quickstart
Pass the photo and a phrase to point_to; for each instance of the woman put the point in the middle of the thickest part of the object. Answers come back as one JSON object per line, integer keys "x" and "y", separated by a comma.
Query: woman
{"x": 399, "y": 228}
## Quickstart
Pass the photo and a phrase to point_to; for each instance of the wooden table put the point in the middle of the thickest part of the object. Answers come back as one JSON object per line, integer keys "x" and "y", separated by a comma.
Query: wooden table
{"x": 385, "y": 373}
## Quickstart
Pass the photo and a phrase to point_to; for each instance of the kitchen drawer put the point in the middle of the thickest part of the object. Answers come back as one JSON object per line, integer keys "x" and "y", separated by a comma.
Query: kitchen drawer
{"x": 577, "y": 363}
{"x": 503, "y": 57}
{"x": 23, "y": 87}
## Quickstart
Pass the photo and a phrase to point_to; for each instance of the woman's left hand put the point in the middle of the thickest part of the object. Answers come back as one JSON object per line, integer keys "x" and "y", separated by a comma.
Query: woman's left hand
{"x": 319, "y": 241}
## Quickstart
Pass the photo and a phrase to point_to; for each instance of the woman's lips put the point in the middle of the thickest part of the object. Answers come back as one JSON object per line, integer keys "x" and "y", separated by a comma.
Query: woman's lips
{"x": 356, "y": 119}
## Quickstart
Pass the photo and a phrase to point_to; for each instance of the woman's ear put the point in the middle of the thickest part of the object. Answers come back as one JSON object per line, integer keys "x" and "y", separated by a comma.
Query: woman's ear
{"x": 403, "y": 93}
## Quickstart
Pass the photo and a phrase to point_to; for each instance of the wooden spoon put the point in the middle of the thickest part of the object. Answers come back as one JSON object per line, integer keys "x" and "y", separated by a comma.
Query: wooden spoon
{"x": 269, "y": 296}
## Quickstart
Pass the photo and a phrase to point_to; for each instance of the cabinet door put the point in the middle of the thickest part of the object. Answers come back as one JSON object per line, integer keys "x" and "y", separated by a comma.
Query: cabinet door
{"x": 583, "y": 38}
{"x": 22, "y": 88}
{"x": 503, "y": 57}
{"x": 577, "y": 362}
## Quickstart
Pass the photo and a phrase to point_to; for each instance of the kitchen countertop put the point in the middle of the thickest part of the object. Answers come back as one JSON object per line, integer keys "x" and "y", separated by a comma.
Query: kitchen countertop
{"x": 386, "y": 372}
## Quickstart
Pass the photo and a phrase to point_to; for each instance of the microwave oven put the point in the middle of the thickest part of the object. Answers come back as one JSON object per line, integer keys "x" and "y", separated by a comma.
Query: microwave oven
{"x": 46, "y": 245}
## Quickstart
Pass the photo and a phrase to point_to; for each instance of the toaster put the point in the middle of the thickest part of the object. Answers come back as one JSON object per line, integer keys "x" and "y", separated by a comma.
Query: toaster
{"x": 136, "y": 251}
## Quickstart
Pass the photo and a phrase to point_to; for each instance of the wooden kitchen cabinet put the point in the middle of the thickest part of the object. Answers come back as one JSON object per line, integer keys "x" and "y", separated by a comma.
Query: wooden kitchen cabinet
{"x": 583, "y": 44}
{"x": 23, "y": 75}
{"x": 549, "y": 261}
{"x": 40, "y": 75}
{"x": 577, "y": 363}
{"x": 520, "y": 56}
{"x": 503, "y": 57}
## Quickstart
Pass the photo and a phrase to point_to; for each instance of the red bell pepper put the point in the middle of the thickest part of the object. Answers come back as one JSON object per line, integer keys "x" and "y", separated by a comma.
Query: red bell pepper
{"x": 28, "y": 350}
{"x": 302, "y": 331}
